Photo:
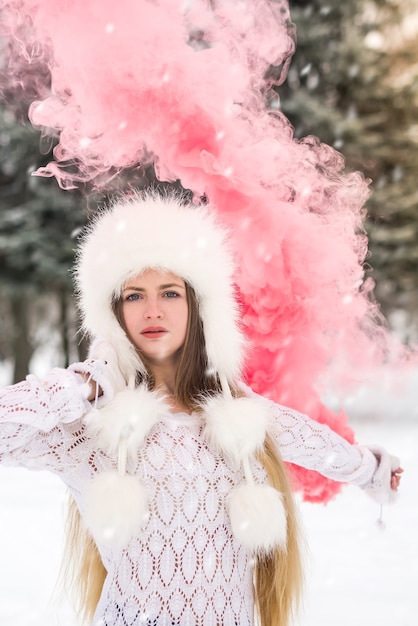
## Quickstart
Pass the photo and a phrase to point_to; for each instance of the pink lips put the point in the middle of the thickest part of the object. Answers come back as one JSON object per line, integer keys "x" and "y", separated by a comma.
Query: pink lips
{"x": 154, "y": 331}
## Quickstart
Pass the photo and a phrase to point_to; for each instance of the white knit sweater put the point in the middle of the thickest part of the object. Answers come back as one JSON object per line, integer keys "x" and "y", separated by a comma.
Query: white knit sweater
{"x": 185, "y": 568}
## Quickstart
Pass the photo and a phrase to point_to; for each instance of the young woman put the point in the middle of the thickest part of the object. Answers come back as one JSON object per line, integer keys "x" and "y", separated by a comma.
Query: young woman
{"x": 182, "y": 512}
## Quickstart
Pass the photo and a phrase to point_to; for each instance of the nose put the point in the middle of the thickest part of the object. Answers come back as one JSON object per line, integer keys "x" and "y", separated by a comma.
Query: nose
{"x": 152, "y": 310}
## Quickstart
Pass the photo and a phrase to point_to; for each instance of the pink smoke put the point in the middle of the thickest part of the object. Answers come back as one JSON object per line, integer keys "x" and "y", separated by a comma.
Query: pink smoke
{"x": 183, "y": 85}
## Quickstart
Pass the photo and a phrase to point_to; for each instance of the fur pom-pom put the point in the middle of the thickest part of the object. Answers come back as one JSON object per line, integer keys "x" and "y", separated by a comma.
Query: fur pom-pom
{"x": 130, "y": 415}
{"x": 116, "y": 508}
{"x": 258, "y": 518}
{"x": 236, "y": 426}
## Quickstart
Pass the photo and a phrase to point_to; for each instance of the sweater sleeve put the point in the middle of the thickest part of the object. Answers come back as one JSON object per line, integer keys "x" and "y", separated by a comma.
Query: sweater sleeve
{"x": 315, "y": 446}
{"x": 37, "y": 418}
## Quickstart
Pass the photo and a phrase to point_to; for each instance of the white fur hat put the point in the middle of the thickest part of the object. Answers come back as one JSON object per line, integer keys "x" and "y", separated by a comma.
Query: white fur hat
{"x": 161, "y": 232}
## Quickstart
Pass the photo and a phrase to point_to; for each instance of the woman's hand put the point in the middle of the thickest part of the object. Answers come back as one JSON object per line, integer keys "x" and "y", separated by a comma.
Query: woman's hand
{"x": 90, "y": 382}
{"x": 96, "y": 390}
{"x": 385, "y": 481}
{"x": 100, "y": 372}
{"x": 395, "y": 479}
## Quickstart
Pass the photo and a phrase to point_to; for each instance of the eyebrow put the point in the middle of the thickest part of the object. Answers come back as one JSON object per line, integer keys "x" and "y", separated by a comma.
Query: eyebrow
{"x": 161, "y": 287}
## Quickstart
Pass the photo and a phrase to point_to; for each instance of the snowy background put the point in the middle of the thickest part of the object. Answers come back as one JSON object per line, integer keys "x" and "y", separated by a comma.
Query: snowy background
{"x": 357, "y": 573}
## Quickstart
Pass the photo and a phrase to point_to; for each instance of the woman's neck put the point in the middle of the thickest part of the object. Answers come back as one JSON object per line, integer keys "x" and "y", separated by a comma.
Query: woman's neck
{"x": 164, "y": 380}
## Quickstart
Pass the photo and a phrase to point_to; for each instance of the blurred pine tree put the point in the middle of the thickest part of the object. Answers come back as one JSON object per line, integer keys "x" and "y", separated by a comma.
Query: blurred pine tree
{"x": 38, "y": 226}
{"x": 353, "y": 82}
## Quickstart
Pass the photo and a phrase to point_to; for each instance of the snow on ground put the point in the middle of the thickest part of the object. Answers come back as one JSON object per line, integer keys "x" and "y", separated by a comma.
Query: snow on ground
{"x": 361, "y": 573}
{"x": 357, "y": 573}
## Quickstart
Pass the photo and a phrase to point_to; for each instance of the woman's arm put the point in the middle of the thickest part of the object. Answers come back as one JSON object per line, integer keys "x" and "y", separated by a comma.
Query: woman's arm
{"x": 303, "y": 441}
{"x": 315, "y": 446}
{"x": 33, "y": 408}
{"x": 40, "y": 419}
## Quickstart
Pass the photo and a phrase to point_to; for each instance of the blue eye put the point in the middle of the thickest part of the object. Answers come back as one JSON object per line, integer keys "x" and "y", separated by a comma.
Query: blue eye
{"x": 132, "y": 297}
{"x": 171, "y": 294}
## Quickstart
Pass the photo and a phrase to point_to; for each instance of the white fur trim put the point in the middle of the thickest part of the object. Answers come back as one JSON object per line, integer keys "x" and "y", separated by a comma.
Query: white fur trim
{"x": 130, "y": 415}
{"x": 116, "y": 508}
{"x": 187, "y": 242}
{"x": 236, "y": 426}
{"x": 258, "y": 518}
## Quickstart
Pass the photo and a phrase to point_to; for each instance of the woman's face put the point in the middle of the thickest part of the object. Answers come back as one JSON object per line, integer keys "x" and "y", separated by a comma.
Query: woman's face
{"x": 155, "y": 312}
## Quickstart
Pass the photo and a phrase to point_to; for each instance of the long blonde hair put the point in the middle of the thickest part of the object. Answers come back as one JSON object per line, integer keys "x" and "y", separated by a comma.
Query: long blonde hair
{"x": 278, "y": 577}
{"x": 82, "y": 572}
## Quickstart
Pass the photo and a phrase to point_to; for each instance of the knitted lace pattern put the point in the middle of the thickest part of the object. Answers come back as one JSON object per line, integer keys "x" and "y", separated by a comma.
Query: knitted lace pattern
{"x": 184, "y": 568}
